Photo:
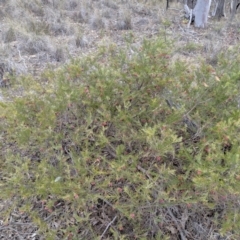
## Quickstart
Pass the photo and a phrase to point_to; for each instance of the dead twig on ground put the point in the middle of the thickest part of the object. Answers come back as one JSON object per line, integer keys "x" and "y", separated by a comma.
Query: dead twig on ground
{"x": 108, "y": 227}
{"x": 181, "y": 231}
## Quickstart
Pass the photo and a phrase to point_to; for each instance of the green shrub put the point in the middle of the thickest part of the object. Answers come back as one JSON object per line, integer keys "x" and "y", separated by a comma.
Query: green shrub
{"x": 119, "y": 147}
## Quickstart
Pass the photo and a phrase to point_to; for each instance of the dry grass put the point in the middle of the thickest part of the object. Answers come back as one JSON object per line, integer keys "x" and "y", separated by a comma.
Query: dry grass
{"x": 60, "y": 21}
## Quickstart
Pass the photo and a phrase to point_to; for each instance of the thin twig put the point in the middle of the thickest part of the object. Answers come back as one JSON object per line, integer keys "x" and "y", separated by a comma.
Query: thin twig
{"x": 178, "y": 226}
{"x": 108, "y": 226}
{"x": 107, "y": 202}
{"x": 111, "y": 151}
{"x": 24, "y": 63}
{"x": 195, "y": 105}
{"x": 143, "y": 171}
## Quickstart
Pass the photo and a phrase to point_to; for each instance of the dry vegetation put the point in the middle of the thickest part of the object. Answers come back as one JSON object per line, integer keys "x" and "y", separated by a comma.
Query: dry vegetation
{"x": 49, "y": 34}
{"x": 41, "y": 33}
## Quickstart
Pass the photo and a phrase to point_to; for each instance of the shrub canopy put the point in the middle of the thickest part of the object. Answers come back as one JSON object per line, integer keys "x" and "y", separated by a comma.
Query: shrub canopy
{"x": 122, "y": 146}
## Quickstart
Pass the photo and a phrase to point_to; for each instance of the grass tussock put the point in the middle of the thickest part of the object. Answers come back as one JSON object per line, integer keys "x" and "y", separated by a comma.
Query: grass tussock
{"x": 60, "y": 21}
{"x": 113, "y": 147}
{"x": 35, "y": 44}
{"x": 96, "y": 21}
{"x": 9, "y": 36}
{"x": 125, "y": 21}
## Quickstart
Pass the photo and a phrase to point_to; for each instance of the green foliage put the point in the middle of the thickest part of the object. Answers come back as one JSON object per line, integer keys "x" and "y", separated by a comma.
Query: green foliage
{"x": 97, "y": 141}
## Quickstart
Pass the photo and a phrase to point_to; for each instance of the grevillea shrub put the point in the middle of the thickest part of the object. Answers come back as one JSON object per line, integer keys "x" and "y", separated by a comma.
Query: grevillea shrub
{"x": 125, "y": 146}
